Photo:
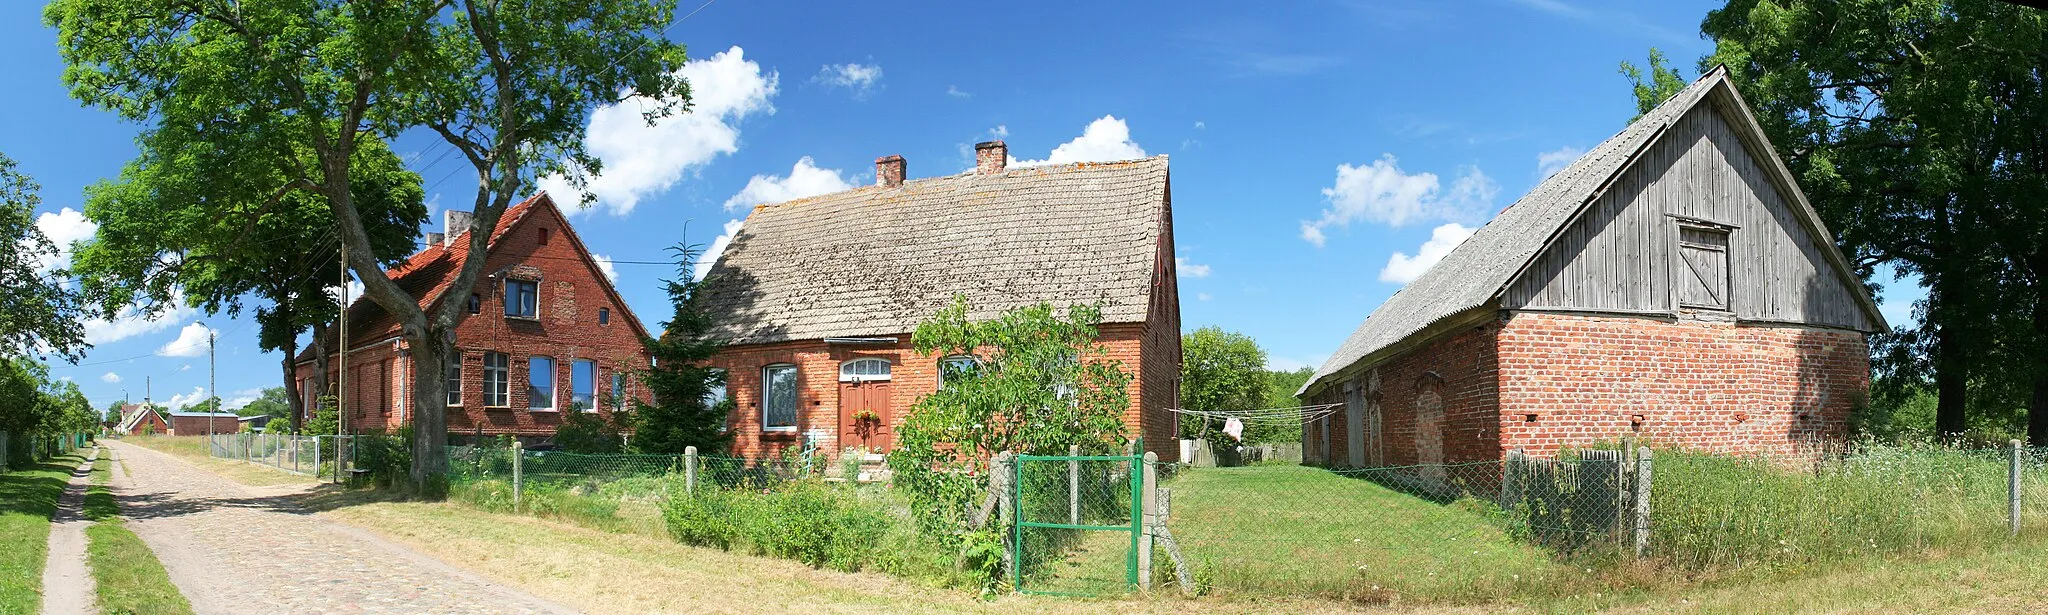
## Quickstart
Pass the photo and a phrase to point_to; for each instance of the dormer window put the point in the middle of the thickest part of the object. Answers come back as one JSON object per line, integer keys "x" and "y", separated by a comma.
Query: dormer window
{"x": 522, "y": 299}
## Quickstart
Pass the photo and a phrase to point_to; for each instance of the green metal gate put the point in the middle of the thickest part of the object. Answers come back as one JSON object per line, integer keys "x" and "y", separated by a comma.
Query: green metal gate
{"x": 1078, "y": 523}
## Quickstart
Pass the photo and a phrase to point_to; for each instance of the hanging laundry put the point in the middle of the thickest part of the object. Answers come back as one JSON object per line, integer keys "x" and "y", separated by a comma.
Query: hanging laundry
{"x": 1235, "y": 428}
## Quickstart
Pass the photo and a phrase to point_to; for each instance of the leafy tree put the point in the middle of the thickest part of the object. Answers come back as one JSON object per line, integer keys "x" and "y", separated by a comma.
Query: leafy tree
{"x": 1280, "y": 388}
{"x": 510, "y": 86}
{"x": 37, "y": 312}
{"x": 210, "y": 404}
{"x": 326, "y": 419}
{"x": 113, "y": 412}
{"x": 1219, "y": 371}
{"x": 274, "y": 403}
{"x": 1040, "y": 384}
{"x": 683, "y": 413}
{"x": 590, "y": 433}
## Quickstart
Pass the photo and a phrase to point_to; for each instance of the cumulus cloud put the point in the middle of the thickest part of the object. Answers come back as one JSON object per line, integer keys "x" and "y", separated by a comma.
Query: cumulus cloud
{"x": 238, "y": 399}
{"x": 860, "y": 78}
{"x": 604, "y": 264}
{"x": 110, "y": 378}
{"x": 1107, "y": 138}
{"x": 1381, "y": 192}
{"x": 804, "y": 179}
{"x": 1549, "y": 163}
{"x": 63, "y": 227}
{"x": 642, "y": 160}
{"x": 191, "y": 342}
{"x": 1402, "y": 268}
{"x": 956, "y": 92}
{"x": 181, "y": 400}
{"x": 1189, "y": 270}
{"x": 711, "y": 254}
{"x": 129, "y": 322}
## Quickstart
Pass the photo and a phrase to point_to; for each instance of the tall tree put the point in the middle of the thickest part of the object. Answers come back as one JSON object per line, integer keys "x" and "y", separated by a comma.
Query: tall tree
{"x": 1219, "y": 371}
{"x": 684, "y": 413}
{"x": 37, "y": 312}
{"x": 510, "y": 86}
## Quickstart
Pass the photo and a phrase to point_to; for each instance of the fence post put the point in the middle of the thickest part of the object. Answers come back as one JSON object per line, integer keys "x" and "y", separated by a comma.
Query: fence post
{"x": 2013, "y": 486}
{"x": 1001, "y": 472}
{"x": 1073, "y": 485}
{"x": 518, "y": 471}
{"x": 690, "y": 471}
{"x": 316, "y": 459}
{"x": 1150, "y": 519}
{"x": 1642, "y": 503}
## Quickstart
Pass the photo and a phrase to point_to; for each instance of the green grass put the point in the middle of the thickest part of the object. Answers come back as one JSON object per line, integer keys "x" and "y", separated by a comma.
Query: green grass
{"x": 27, "y": 499}
{"x": 1301, "y": 530}
{"x": 126, "y": 574}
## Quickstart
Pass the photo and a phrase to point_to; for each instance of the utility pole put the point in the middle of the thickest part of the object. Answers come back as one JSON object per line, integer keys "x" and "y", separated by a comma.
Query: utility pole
{"x": 212, "y": 398}
{"x": 341, "y": 381}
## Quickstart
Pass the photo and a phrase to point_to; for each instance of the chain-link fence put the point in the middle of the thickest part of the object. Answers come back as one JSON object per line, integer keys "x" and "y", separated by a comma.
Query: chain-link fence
{"x": 324, "y": 457}
{"x": 19, "y": 450}
{"x": 615, "y": 491}
{"x": 1077, "y": 527}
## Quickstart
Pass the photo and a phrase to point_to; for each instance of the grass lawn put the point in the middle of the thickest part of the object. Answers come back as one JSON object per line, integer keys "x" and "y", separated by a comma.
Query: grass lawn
{"x": 193, "y": 449}
{"x": 127, "y": 576}
{"x": 1302, "y": 530}
{"x": 27, "y": 499}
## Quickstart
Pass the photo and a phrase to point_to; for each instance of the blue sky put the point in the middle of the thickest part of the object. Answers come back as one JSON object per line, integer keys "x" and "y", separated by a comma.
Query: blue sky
{"x": 1323, "y": 152}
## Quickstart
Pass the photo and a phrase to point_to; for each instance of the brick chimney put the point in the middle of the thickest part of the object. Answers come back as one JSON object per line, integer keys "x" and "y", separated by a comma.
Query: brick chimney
{"x": 990, "y": 157}
{"x": 456, "y": 222}
{"x": 889, "y": 171}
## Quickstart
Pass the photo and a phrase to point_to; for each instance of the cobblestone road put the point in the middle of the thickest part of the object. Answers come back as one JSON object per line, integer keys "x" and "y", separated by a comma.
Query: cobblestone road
{"x": 234, "y": 549}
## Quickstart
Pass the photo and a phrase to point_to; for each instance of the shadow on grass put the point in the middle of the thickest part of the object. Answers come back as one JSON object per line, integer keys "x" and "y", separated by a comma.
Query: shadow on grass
{"x": 34, "y": 490}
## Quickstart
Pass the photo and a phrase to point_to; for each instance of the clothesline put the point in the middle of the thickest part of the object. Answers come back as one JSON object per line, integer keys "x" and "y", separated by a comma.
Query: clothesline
{"x": 1294, "y": 414}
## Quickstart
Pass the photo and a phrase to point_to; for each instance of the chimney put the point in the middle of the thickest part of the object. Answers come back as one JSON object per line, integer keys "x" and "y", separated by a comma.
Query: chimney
{"x": 990, "y": 157}
{"x": 435, "y": 239}
{"x": 457, "y": 222}
{"x": 889, "y": 171}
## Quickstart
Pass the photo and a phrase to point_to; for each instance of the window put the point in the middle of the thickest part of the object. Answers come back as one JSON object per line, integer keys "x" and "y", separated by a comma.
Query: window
{"x": 540, "y": 383}
{"x": 1065, "y": 373}
{"x": 454, "y": 372}
{"x": 1703, "y": 267}
{"x": 497, "y": 380}
{"x": 583, "y": 385}
{"x": 476, "y": 303}
{"x": 618, "y": 391}
{"x": 543, "y": 237}
{"x": 778, "y": 398}
{"x": 714, "y": 392}
{"x": 863, "y": 370}
{"x": 956, "y": 365}
{"x": 522, "y": 298}
{"x": 604, "y": 316}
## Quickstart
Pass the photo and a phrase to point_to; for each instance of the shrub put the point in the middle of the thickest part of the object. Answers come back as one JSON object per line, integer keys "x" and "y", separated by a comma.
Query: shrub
{"x": 707, "y": 519}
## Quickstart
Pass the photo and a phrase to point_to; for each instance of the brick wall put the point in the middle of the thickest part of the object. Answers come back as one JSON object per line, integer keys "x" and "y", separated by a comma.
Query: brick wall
{"x": 1436, "y": 404}
{"x": 1710, "y": 386}
{"x": 196, "y": 425}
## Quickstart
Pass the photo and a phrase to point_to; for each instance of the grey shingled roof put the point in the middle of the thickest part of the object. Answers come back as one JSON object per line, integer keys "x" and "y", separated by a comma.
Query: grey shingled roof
{"x": 1475, "y": 272}
{"x": 877, "y": 260}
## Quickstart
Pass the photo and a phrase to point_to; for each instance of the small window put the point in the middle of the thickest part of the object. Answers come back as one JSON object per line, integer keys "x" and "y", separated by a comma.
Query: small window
{"x": 455, "y": 378}
{"x": 522, "y": 298}
{"x": 543, "y": 237}
{"x": 476, "y": 303}
{"x": 497, "y": 380}
{"x": 583, "y": 385}
{"x": 955, "y": 366}
{"x": 540, "y": 383}
{"x": 862, "y": 370}
{"x": 1703, "y": 270}
{"x": 778, "y": 398}
{"x": 604, "y": 316}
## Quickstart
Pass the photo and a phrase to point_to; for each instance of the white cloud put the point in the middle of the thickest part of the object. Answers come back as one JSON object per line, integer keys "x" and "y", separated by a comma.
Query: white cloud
{"x": 1201, "y": 296}
{"x": 185, "y": 368}
{"x": 604, "y": 264}
{"x": 956, "y": 92}
{"x": 1402, "y": 269}
{"x": 804, "y": 179}
{"x": 1199, "y": 124}
{"x": 238, "y": 399}
{"x": 642, "y": 160}
{"x": 1549, "y": 163}
{"x": 710, "y": 256}
{"x": 1104, "y": 139}
{"x": 110, "y": 378}
{"x": 1283, "y": 364}
{"x": 130, "y": 323}
{"x": 191, "y": 342}
{"x": 181, "y": 400}
{"x": 63, "y": 228}
{"x": 860, "y": 78}
{"x": 1189, "y": 270}
{"x": 1382, "y": 192}
{"x": 354, "y": 290}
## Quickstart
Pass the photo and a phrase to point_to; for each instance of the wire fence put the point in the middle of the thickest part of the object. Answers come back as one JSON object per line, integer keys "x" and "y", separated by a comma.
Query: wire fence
{"x": 1077, "y": 527}
{"x": 326, "y": 457}
{"x": 620, "y": 491}
{"x": 20, "y": 450}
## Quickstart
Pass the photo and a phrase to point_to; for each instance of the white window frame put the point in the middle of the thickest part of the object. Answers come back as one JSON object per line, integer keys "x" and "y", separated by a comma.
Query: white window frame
{"x": 553, "y": 392}
{"x": 500, "y": 390}
{"x": 851, "y": 370}
{"x": 591, "y": 404}
{"x": 768, "y": 404}
{"x": 453, "y": 381}
{"x": 968, "y": 359}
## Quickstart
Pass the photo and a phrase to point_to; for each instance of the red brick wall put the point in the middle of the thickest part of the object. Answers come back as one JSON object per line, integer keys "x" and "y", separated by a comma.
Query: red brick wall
{"x": 1455, "y": 376}
{"x": 1710, "y": 386}
{"x": 380, "y": 378}
{"x": 196, "y": 426}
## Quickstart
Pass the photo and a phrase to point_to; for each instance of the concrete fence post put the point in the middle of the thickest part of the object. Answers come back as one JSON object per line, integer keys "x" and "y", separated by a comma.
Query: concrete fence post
{"x": 518, "y": 472}
{"x": 1001, "y": 471}
{"x": 316, "y": 459}
{"x": 1150, "y": 489}
{"x": 690, "y": 471}
{"x": 1074, "y": 485}
{"x": 2012, "y": 486}
{"x": 1642, "y": 501}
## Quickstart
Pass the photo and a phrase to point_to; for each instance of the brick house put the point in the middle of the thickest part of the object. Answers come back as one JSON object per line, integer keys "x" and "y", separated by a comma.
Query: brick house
{"x": 546, "y": 333}
{"x": 196, "y": 423}
{"x": 142, "y": 418}
{"x": 1672, "y": 285}
{"x": 819, "y": 296}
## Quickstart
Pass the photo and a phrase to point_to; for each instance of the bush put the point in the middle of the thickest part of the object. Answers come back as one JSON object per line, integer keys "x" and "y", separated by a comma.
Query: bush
{"x": 705, "y": 520}
{"x": 810, "y": 522}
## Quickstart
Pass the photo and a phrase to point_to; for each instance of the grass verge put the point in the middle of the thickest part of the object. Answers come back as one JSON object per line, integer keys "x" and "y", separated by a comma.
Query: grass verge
{"x": 126, "y": 574}
{"x": 27, "y": 499}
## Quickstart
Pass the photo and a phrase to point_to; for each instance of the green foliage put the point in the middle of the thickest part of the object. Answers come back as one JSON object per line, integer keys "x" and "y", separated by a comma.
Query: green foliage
{"x": 37, "y": 310}
{"x": 1219, "y": 371}
{"x": 683, "y": 412}
{"x": 275, "y": 403}
{"x": 825, "y": 526}
{"x": 590, "y": 433}
{"x": 32, "y": 405}
{"x": 708, "y": 519}
{"x": 326, "y": 419}
{"x": 1040, "y": 384}
{"x": 1662, "y": 83}
{"x": 384, "y": 459}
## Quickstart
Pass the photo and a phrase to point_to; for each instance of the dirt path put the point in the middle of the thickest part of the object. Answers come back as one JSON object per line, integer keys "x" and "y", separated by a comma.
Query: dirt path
{"x": 67, "y": 582}
{"x": 236, "y": 549}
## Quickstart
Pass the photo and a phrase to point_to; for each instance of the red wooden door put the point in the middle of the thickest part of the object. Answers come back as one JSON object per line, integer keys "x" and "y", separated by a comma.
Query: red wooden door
{"x": 871, "y": 396}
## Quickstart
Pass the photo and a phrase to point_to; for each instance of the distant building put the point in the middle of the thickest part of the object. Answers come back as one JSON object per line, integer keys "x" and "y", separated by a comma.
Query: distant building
{"x": 142, "y": 418}
{"x": 819, "y": 296}
{"x": 545, "y": 334}
{"x": 1672, "y": 285}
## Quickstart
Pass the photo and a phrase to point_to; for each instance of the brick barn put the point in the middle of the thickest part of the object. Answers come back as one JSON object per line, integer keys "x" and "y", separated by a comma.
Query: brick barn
{"x": 818, "y": 296}
{"x": 546, "y": 333}
{"x": 1672, "y": 284}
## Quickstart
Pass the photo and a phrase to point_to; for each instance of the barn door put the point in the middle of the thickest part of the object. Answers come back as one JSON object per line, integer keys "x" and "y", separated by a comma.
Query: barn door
{"x": 1703, "y": 267}
{"x": 1354, "y": 423}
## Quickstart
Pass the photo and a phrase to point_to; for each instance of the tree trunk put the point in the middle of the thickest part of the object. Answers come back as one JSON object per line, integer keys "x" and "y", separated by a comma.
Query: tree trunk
{"x": 294, "y": 398}
{"x": 1951, "y": 383}
{"x": 429, "y": 353}
{"x": 320, "y": 361}
{"x": 2037, "y": 408}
